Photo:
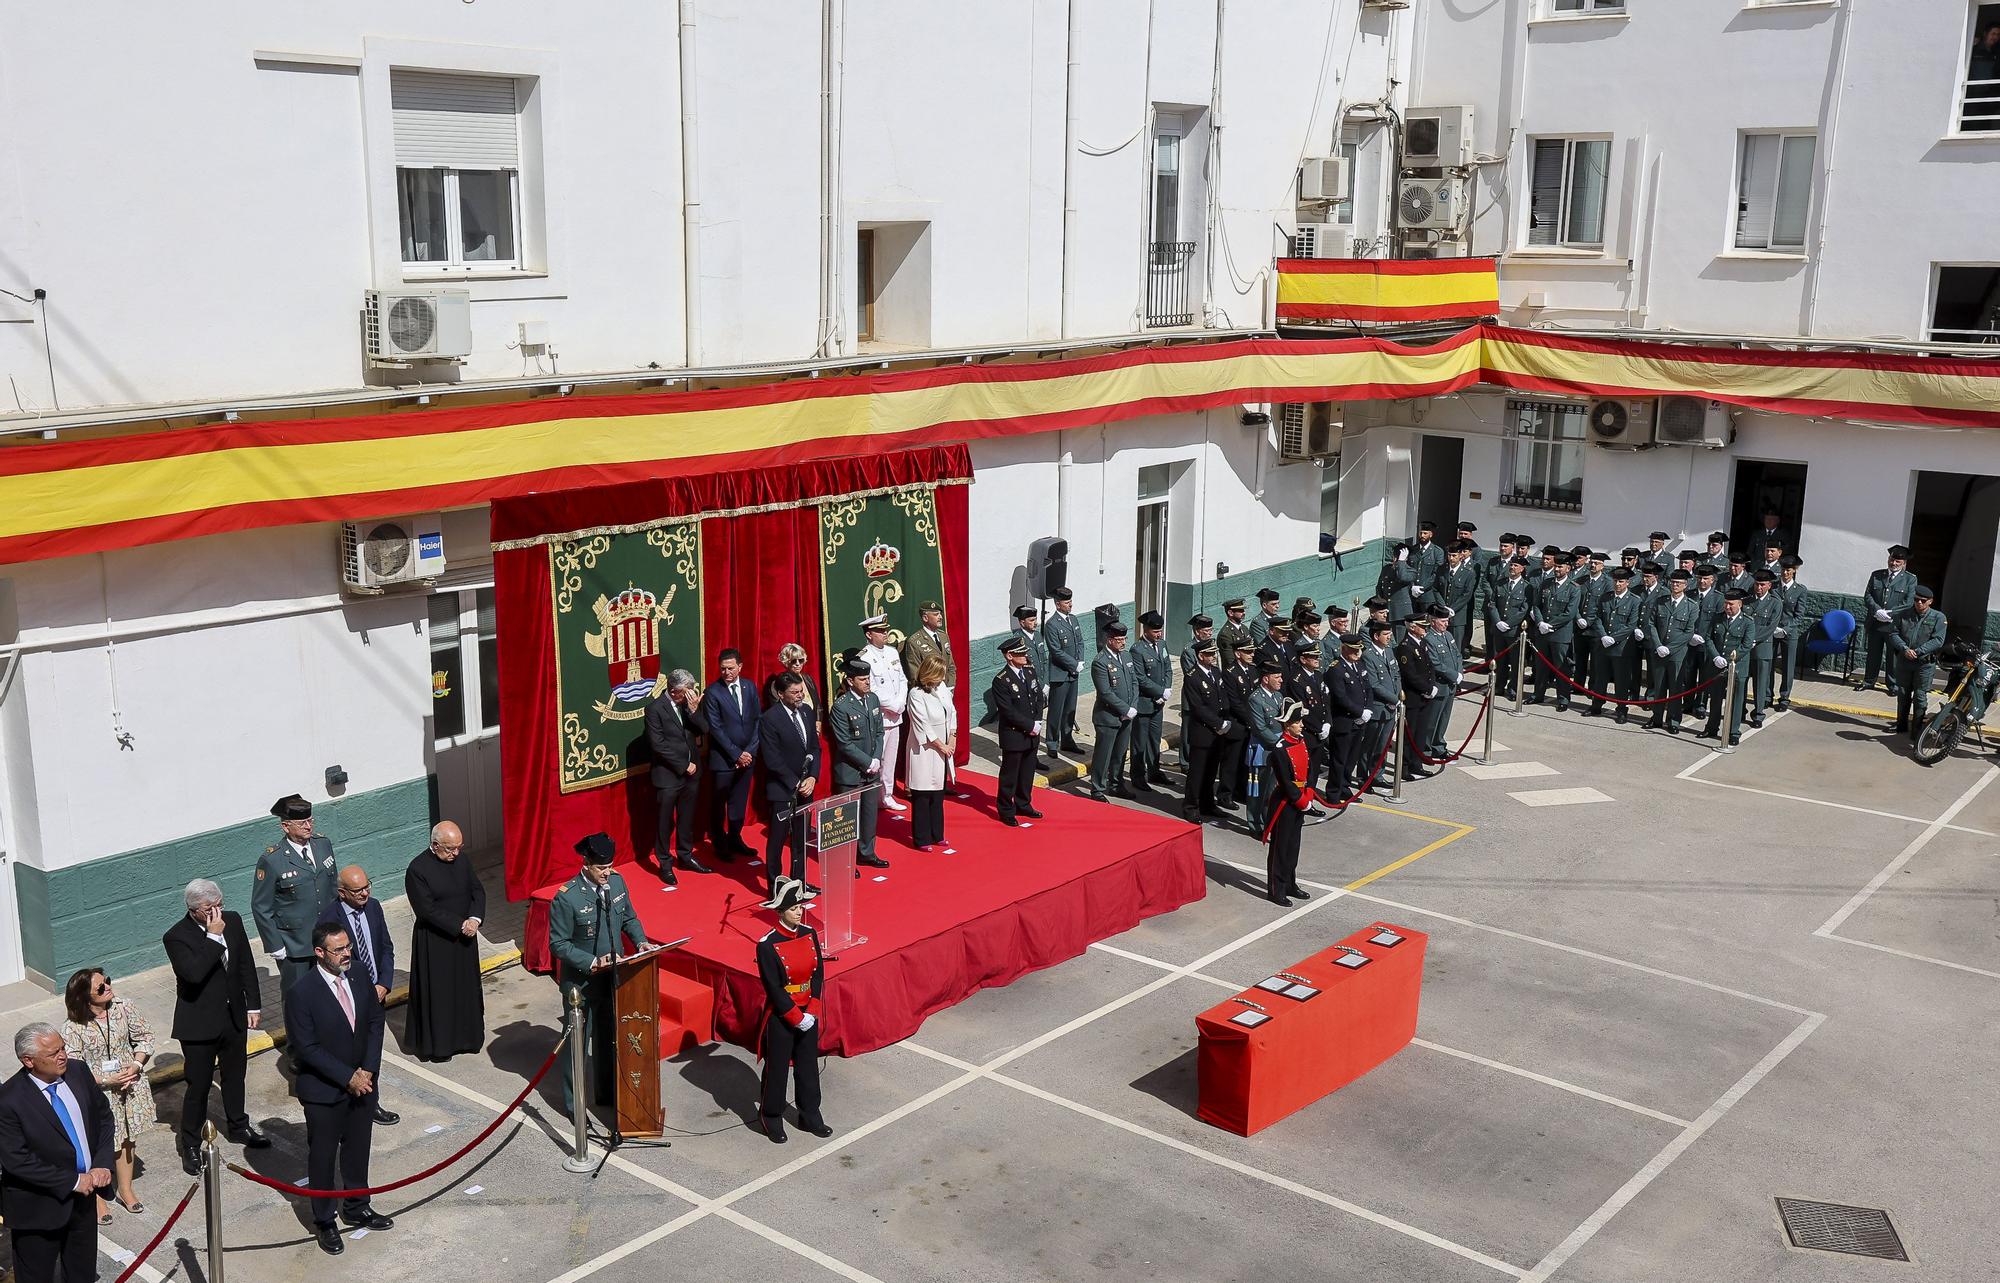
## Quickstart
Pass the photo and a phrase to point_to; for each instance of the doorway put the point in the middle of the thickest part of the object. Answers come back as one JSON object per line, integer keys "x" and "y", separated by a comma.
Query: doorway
{"x": 1953, "y": 530}
{"x": 1149, "y": 577}
{"x": 1440, "y": 481}
{"x": 1763, "y": 486}
{"x": 465, "y": 713}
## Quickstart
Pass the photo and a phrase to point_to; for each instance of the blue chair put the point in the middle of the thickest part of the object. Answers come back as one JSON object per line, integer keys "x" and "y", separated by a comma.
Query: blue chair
{"x": 1831, "y": 637}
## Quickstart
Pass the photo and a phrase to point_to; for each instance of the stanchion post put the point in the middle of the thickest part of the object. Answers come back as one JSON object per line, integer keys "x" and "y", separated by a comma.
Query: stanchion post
{"x": 211, "y": 1196}
{"x": 1729, "y": 710}
{"x": 1520, "y": 669}
{"x": 1486, "y": 752}
{"x": 1402, "y": 746}
{"x": 579, "y": 1159}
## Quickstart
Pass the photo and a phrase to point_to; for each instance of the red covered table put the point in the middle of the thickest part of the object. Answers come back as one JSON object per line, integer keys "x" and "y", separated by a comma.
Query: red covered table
{"x": 1252, "y": 1075}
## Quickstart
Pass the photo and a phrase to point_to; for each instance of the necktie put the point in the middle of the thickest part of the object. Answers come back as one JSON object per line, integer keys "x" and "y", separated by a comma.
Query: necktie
{"x": 346, "y": 1001}
{"x": 736, "y": 695}
{"x": 69, "y": 1128}
{"x": 799, "y": 722}
{"x": 364, "y": 953}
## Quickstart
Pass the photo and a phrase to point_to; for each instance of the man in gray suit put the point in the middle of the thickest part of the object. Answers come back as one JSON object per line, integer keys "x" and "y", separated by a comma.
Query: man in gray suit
{"x": 1065, "y": 640}
{"x": 1117, "y": 689}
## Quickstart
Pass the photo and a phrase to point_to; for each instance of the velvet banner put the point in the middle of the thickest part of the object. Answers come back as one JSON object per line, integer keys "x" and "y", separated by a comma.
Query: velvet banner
{"x": 759, "y": 548}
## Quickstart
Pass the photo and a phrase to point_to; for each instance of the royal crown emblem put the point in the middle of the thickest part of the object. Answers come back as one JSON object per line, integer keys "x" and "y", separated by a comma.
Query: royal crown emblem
{"x": 629, "y": 644}
{"x": 880, "y": 561}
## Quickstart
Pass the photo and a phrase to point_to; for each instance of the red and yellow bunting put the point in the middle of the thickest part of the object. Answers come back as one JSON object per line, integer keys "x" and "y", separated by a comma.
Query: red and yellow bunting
{"x": 68, "y": 497}
{"x": 1387, "y": 290}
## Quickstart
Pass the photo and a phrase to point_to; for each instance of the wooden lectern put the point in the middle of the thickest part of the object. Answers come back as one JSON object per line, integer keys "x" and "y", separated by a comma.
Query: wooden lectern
{"x": 637, "y": 1113}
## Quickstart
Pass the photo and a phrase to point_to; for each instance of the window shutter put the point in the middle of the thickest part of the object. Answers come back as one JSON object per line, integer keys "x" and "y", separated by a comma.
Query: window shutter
{"x": 1795, "y": 184}
{"x": 1590, "y": 173}
{"x": 1545, "y": 198}
{"x": 1756, "y": 185}
{"x": 456, "y": 122}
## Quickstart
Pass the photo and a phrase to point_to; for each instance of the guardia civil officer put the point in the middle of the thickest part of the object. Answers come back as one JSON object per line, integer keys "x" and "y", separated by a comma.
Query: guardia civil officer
{"x": 590, "y": 921}
{"x": 1890, "y": 592}
{"x": 1117, "y": 706}
{"x": 1066, "y": 660}
{"x": 1234, "y": 629}
{"x": 1154, "y": 670}
{"x": 1017, "y": 698}
{"x": 1420, "y": 692}
{"x": 1447, "y": 662}
{"x": 295, "y": 882}
{"x": 793, "y": 970}
{"x": 1768, "y": 612}
{"x": 1205, "y": 722}
{"x": 1733, "y": 636}
{"x": 1918, "y": 636}
{"x": 1795, "y": 625}
{"x": 855, "y": 727}
{"x": 1670, "y": 632}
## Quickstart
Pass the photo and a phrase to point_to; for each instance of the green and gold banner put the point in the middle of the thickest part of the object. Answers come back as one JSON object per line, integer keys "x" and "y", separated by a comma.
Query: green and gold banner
{"x": 879, "y": 555}
{"x": 627, "y": 612}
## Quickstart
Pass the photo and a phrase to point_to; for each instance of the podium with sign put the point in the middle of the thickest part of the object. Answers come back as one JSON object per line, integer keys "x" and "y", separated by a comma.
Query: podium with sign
{"x": 636, "y": 1016}
{"x": 833, "y": 832}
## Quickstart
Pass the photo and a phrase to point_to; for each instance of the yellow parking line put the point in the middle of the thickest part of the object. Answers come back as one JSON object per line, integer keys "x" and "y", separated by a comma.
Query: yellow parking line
{"x": 1409, "y": 815}
{"x": 1459, "y": 831}
{"x": 1852, "y": 710}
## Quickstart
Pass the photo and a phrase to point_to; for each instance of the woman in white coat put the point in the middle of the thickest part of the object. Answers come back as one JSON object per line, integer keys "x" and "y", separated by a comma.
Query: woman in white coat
{"x": 932, "y": 737}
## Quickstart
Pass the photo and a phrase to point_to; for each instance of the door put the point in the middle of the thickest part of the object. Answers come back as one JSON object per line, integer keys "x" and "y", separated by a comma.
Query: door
{"x": 1764, "y": 486}
{"x": 1953, "y": 530}
{"x": 1149, "y": 576}
{"x": 1439, "y": 483}
{"x": 465, "y": 713}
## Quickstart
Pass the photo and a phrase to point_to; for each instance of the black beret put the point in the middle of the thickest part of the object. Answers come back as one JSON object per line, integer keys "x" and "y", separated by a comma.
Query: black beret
{"x": 1716, "y": 536}
{"x": 1734, "y": 594}
{"x": 1791, "y": 561}
{"x": 1657, "y": 534}
{"x": 1334, "y": 610}
{"x": 1379, "y": 626}
{"x": 1467, "y": 527}
{"x": 1899, "y": 551}
{"x": 1628, "y": 552}
{"x": 1565, "y": 559}
{"x": 1517, "y": 561}
{"x": 1680, "y": 576}
{"x": 1428, "y": 525}
{"x": 1739, "y": 558}
{"x": 1377, "y": 603}
{"x": 859, "y": 667}
{"x": 1438, "y": 610}
{"x": 1925, "y": 594}
{"x": 1771, "y": 540}
{"x": 1308, "y": 619}
{"x": 1706, "y": 568}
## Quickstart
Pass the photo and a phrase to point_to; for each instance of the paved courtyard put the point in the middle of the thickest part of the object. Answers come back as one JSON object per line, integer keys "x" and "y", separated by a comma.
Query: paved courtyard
{"x": 1665, "y": 987}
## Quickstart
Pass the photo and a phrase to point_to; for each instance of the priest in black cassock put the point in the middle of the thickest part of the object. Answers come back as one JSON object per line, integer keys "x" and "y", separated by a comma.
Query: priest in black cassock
{"x": 447, "y": 1007}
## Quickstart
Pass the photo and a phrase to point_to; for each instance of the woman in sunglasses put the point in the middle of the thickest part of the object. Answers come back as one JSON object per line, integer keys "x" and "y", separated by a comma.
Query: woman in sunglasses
{"x": 104, "y": 1033}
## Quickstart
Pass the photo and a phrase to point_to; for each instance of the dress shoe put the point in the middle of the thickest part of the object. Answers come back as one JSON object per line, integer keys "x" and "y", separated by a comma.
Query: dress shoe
{"x": 1095, "y": 793}
{"x": 1028, "y": 811}
{"x": 1297, "y": 892}
{"x": 1562, "y": 706}
{"x": 1593, "y": 712}
{"x": 774, "y": 1129}
{"x": 1673, "y": 728}
{"x": 1278, "y": 898}
{"x": 1735, "y": 740}
{"x": 871, "y": 861}
{"x": 1757, "y": 719}
{"x": 1073, "y": 748}
{"x": 1622, "y": 718}
{"x": 329, "y": 1239}
{"x": 387, "y": 1117}
{"x": 1161, "y": 777}
{"x": 249, "y": 1137}
{"x": 1010, "y": 821}
{"x": 1902, "y": 728}
{"x": 367, "y": 1219}
{"x": 1191, "y": 817}
{"x": 692, "y": 865}
{"x": 817, "y": 1127}
{"x": 1783, "y": 705}
{"x": 667, "y": 878}
{"x": 1125, "y": 791}
{"x": 1656, "y": 723}
{"x": 891, "y": 804}
{"x": 191, "y": 1161}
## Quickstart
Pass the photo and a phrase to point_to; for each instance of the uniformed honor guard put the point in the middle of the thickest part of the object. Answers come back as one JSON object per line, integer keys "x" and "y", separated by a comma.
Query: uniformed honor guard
{"x": 1155, "y": 674}
{"x": 1429, "y": 556}
{"x": 1768, "y": 611}
{"x": 295, "y": 882}
{"x": 1619, "y": 630}
{"x": 855, "y": 726}
{"x": 1239, "y": 681}
{"x": 1457, "y": 588}
{"x": 1267, "y": 614}
{"x": 1385, "y": 683}
{"x": 1890, "y": 592}
{"x": 1398, "y": 577}
{"x": 930, "y": 639}
{"x": 1773, "y": 560}
{"x": 1277, "y": 643}
{"x": 1708, "y": 599}
{"x": 1506, "y": 615}
{"x": 1491, "y": 576}
{"x": 1233, "y": 630}
{"x": 1329, "y": 640}
{"x": 1795, "y": 625}
{"x": 1205, "y": 724}
{"x": 1028, "y": 628}
{"x": 1919, "y": 635}
{"x": 1557, "y": 602}
{"x": 892, "y": 688}
{"x": 1017, "y": 697}
{"x": 1203, "y": 628}
{"x": 1305, "y": 686}
{"x": 1117, "y": 706}
{"x": 1421, "y": 691}
{"x": 1289, "y": 798}
{"x": 1670, "y": 632}
{"x": 793, "y": 970}
{"x": 1738, "y": 575}
{"x": 1447, "y": 666}
{"x": 1592, "y": 587}
{"x": 1066, "y": 660}
{"x": 1734, "y": 635}
{"x": 1267, "y": 704}
{"x": 590, "y": 921}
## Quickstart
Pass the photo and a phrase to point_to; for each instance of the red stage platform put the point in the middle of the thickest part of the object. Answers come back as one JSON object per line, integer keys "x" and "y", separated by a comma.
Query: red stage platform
{"x": 939, "y": 927}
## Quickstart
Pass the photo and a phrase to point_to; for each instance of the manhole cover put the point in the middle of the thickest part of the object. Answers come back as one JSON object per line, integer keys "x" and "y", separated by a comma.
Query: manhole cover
{"x": 1833, "y": 1227}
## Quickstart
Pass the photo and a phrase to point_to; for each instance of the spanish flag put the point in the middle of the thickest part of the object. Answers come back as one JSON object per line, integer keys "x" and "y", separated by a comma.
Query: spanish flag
{"x": 1387, "y": 290}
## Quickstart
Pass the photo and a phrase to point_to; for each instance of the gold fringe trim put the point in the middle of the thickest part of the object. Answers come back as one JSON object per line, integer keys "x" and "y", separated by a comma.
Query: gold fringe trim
{"x": 539, "y": 541}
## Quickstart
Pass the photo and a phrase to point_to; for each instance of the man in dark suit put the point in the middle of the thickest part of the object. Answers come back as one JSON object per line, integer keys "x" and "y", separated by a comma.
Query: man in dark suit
{"x": 1020, "y": 704}
{"x": 1239, "y": 680}
{"x": 1349, "y": 710}
{"x": 1205, "y": 720}
{"x": 55, "y": 1154}
{"x": 360, "y": 913}
{"x": 1420, "y": 687}
{"x": 216, "y": 1004}
{"x": 789, "y": 744}
{"x": 730, "y": 711}
{"x": 335, "y": 1027}
{"x": 674, "y": 727}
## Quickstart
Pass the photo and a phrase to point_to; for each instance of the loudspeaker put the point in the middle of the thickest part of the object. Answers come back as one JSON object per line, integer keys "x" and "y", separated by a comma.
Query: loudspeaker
{"x": 1048, "y": 567}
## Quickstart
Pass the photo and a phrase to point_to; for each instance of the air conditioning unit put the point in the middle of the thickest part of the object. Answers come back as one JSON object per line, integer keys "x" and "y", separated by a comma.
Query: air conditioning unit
{"x": 1428, "y": 203}
{"x": 1308, "y": 431}
{"x": 1437, "y": 247}
{"x": 1693, "y": 420}
{"x": 1623, "y": 424}
{"x": 1326, "y": 178}
{"x": 379, "y": 555}
{"x": 402, "y": 326}
{"x": 1322, "y": 240}
{"x": 1437, "y": 137}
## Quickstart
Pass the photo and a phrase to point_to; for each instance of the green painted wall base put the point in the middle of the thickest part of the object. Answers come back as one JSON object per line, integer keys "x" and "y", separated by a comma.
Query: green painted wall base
{"x": 112, "y": 911}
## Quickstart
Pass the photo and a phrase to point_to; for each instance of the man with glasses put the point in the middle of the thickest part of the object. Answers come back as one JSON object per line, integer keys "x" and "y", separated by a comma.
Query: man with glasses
{"x": 359, "y": 913}
{"x": 216, "y": 1004}
{"x": 335, "y": 1027}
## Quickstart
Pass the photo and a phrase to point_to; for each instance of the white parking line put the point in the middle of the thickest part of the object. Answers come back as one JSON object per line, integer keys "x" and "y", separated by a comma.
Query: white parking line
{"x": 1904, "y": 953}
{"x": 1645, "y": 1176}
{"x": 1908, "y": 853}
{"x": 1820, "y": 801}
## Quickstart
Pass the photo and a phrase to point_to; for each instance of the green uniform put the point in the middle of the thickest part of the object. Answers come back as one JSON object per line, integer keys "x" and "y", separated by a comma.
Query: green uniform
{"x": 1506, "y": 615}
{"x": 1795, "y": 626}
{"x": 1769, "y": 612}
{"x": 1672, "y": 629}
{"x": 1227, "y": 637}
{"x": 1064, "y": 637}
{"x": 1614, "y": 650}
{"x": 1554, "y": 615}
{"x": 1038, "y": 652}
{"x": 1449, "y": 662}
{"x": 291, "y": 889}
{"x": 1154, "y": 669}
{"x": 1888, "y": 595}
{"x": 1923, "y": 633}
{"x": 1117, "y": 689}
{"x": 585, "y": 923}
{"x": 855, "y": 727}
{"x": 1730, "y": 637}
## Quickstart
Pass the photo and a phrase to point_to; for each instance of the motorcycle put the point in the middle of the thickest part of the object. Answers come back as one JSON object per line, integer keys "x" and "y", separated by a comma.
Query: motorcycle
{"x": 1973, "y": 682}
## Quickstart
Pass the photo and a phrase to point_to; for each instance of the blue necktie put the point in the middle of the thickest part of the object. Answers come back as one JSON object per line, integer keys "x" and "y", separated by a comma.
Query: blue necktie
{"x": 69, "y": 1127}
{"x": 364, "y": 950}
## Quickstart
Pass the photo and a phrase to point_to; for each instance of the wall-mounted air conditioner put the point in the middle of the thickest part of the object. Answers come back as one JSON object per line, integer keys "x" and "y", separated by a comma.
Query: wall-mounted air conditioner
{"x": 1693, "y": 421}
{"x": 402, "y": 326}
{"x": 1437, "y": 137}
{"x": 1624, "y": 423}
{"x": 379, "y": 555}
{"x": 1326, "y": 178}
{"x": 1308, "y": 431}
{"x": 1428, "y": 203}
{"x": 1322, "y": 240}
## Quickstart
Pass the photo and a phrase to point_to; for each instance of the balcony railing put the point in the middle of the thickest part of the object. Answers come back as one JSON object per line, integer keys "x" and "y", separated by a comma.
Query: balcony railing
{"x": 1540, "y": 503}
{"x": 1980, "y": 112}
{"x": 1169, "y": 297}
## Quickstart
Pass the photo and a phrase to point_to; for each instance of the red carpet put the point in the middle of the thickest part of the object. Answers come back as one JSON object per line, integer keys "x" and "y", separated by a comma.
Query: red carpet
{"x": 940, "y": 927}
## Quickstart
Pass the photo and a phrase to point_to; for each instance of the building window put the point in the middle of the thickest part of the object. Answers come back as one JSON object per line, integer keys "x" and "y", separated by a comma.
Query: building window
{"x": 1329, "y": 501}
{"x": 1569, "y": 180}
{"x": 1169, "y": 300}
{"x": 1774, "y": 182}
{"x": 1966, "y": 306}
{"x": 1565, "y": 8}
{"x": 1544, "y": 463}
{"x": 458, "y": 171}
{"x": 1350, "y": 150}
{"x": 1979, "y": 107}
{"x": 465, "y": 664}
{"x": 864, "y": 286}
{"x": 892, "y": 285}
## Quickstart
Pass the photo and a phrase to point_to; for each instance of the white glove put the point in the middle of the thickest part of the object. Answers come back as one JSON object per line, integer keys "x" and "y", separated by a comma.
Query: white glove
{"x": 1324, "y": 731}
{"x": 1503, "y": 625}
{"x": 1546, "y": 628}
{"x": 1607, "y": 642}
{"x": 1721, "y": 662}
{"x": 1416, "y": 591}
{"x": 1037, "y": 731}
{"x": 1433, "y": 694}
{"x": 806, "y": 1022}
{"x": 1367, "y": 716}
{"x": 1779, "y": 633}
{"x": 1402, "y": 554}
{"x": 1130, "y": 713}
{"x": 875, "y": 766}
{"x": 1224, "y": 728}
{"x": 1696, "y": 639}
{"x": 1883, "y": 615}
{"x": 1045, "y": 690}
{"x": 1638, "y": 634}
{"x": 1661, "y": 651}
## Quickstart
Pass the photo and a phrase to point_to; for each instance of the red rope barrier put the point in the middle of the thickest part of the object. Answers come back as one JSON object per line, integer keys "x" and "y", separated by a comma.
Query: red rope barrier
{"x": 1410, "y": 735}
{"x": 1613, "y": 699}
{"x": 301, "y": 1191}
{"x": 147, "y": 1250}
{"x": 1366, "y": 784}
